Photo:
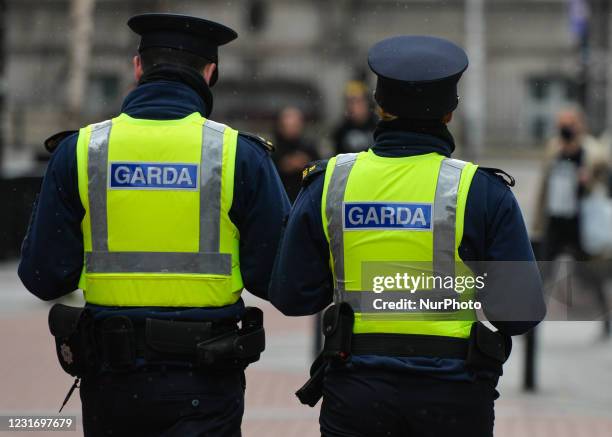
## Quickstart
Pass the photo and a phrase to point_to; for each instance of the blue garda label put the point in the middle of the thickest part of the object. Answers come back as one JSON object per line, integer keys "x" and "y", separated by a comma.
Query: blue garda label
{"x": 409, "y": 216}
{"x": 139, "y": 175}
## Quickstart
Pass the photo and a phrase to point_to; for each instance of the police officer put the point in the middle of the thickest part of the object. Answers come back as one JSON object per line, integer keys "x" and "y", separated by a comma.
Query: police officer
{"x": 161, "y": 216}
{"x": 406, "y": 206}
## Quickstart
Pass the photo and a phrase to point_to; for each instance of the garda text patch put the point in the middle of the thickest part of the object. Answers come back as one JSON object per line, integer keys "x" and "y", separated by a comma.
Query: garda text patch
{"x": 156, "y": 176}
{"x": 409, "y": 216}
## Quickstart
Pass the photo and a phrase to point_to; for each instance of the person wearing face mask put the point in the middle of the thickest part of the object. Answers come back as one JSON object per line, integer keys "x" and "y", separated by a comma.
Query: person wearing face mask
{"x": 572, "y": 156}
{"x": 575, "y": 167}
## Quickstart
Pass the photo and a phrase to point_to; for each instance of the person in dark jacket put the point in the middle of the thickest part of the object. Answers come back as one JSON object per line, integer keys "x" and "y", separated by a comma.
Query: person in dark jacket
{"x": 354, "y": 132}
{"x": 358, "y": 210}
{"x": 575, "y": 170}
{"x": 158, "y": 391}
{"x": 293, "y": 150}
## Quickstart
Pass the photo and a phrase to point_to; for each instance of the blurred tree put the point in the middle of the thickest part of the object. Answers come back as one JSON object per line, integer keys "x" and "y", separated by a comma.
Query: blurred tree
{"x": 475, "y": 111}
{"x": 2, "y": 78}
{"x": 80, "y": 47}
{"x": 596, "y": 104}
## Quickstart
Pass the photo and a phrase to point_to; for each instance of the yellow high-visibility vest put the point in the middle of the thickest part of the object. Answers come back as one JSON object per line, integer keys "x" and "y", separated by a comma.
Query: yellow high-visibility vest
{"x": 384, "y": 215}
{"x": 157, "y": 195}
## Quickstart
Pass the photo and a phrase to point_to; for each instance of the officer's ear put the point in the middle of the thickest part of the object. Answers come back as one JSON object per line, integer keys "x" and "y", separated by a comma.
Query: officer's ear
{"x": 208, "y": 72}
{"x": 138, "y": 71}
{"x": 447, "y": 118}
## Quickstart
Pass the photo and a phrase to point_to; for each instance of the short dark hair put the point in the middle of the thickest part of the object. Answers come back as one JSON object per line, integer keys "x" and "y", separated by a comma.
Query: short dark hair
{"x": 163, "y": 55}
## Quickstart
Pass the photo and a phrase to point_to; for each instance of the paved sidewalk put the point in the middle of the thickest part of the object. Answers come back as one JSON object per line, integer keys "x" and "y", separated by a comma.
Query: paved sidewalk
{"x": 575, "y": 375}
{"x": 574, "y": 399}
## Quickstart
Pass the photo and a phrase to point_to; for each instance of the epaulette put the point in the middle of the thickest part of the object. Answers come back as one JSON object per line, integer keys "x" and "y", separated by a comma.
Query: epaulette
{"x": 261, "y": 140}
{"x": 313, "y": 169}
{"x": 54, "y": 140}
{"x": 506, "y": 178}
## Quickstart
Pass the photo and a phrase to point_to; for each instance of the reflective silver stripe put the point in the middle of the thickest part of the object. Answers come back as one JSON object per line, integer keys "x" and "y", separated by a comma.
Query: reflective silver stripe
{"x": 444, "y": 224}
{"x": 97, "y": 175}
{"x": 159, "y": 262}
{"x": 444, "y": 216}
{"x": 211, "y": 168}
{"x": 333, "y": 210}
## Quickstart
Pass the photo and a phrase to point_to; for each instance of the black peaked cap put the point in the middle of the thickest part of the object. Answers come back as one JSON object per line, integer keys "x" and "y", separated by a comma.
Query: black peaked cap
{"x": 417, "y": 75}
{"x": 181, "y": 32}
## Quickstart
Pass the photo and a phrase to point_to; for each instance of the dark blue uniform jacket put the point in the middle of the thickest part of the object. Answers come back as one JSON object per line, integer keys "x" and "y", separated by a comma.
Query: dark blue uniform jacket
{"x": 494, "y": 231}
{"x": 52, "y": 252}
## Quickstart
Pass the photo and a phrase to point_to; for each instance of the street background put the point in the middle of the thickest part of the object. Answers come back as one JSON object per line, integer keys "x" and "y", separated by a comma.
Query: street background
{"x": 573, "y": 399}
{"x": 65, "y": 63}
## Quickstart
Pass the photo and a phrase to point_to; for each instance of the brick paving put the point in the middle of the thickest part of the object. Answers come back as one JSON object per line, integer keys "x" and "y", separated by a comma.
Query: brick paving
{"x": 579, "y": 407}
{"x": 575, "y": 399}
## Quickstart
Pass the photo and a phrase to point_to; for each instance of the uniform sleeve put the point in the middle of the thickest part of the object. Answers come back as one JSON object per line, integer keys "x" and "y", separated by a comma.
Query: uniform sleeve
{"x": 52, "y": 252}
{"x": 513, "y": 298}
{"x": 302, "y": 280}
{"x": 259, "y": 210}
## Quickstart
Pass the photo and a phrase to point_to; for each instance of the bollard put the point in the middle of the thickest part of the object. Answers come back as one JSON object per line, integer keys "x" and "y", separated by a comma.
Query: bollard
{"x": 529, "y": 376}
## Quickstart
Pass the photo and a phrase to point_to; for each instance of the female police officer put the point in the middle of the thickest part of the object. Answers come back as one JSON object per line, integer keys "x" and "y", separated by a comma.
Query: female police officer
{"x": 419, "y": 373}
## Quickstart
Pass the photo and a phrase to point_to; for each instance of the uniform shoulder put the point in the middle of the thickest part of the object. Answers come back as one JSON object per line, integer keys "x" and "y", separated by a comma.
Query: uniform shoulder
{"x": 313, "y": 170}
{"x": 498, "y": 175}
{"x": 53, "y": 142}
{"x": 260, "y": 141}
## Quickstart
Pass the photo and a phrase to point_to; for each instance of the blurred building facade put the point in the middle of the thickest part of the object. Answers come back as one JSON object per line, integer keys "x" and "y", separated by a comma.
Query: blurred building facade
{"x": 290, "y": 53}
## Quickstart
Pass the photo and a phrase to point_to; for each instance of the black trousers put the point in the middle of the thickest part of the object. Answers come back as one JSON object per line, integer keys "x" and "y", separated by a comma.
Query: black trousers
{"x": 373, "y": 402}
{"x": 169, "y": 403}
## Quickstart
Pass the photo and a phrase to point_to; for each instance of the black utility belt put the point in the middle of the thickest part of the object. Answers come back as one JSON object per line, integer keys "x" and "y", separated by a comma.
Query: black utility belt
{"x": 412, "y": 345}
{"x": 484, "y": 350}
{"x": 117, "y": 343}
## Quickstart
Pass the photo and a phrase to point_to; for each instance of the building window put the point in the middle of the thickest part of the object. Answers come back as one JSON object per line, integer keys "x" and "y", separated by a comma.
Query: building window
{"x": 102, "y": 93}
{"x": 546, "y": 95}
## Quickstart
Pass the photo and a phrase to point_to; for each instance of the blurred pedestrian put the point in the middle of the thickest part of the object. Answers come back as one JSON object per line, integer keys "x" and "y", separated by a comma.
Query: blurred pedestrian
{"x": 293, "y": 149}
{"x": 575, "y": 170}
{"x": 354, "y": 133}
{"x": 571, "y": 158}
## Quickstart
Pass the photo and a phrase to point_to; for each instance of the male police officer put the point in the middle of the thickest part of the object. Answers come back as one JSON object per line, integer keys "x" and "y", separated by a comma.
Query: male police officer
{"x": 161, "y": 216}
{"x": 405, "y": 206}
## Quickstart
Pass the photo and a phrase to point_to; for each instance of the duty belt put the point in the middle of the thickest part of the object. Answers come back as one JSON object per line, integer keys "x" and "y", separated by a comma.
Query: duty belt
{"x": 116, "y": 343}
{"x": 484, "y": 350}
{"x": 121, "y": 343}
